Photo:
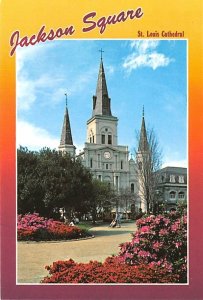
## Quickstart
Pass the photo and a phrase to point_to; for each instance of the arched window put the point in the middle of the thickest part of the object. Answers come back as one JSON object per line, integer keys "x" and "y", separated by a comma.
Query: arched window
{"x": 103, "y": 138}
{"x": 109, "y": 139}
{"x": 172, "y": 195}
{"x": 181, "y": 195}
{"x": 132, "y": 188}
{"x": 91, "y": 162}
{"x": 172, "y": 178}
{"x": 107, "y": 179}
{"x": 181, "y": 179}
{"x": 99, "y": 160}
{"x": 91, "y": 136}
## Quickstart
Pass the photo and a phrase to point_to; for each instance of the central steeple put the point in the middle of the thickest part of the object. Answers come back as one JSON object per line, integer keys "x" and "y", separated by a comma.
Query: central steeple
{"x": 102, "y": 126}
{"x": 101, "y": 102}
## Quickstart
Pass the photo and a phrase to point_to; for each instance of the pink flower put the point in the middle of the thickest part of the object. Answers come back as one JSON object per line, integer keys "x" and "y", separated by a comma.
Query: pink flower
{"x": 157, "y": 245}
{"x": 163, "y": 232}
{"x": 136, "y": 240}
{"x": 144, "y": 253}
{"x": 145, "y": 229}
{"x": 185, "y": 220}
{"x": 166, "y": 221}
{"x": 175, "y": 226}
{"x": 178, "y": 244}
{"x": 157, "y": 220}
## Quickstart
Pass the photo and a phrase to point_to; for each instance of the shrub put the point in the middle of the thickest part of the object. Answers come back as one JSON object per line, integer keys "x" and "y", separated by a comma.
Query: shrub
{"x": 32, "y": 227}
{"x": 159, "y": 241}
{"x": 111, "y": 271}
{"x": 156, "y": 254}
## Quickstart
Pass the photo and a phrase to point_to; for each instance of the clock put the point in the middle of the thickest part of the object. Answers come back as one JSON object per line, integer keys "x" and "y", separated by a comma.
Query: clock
{"x": 107, "y": 154}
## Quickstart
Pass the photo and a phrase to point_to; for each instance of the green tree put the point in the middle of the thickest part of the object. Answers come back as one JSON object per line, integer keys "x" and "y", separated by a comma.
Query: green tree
{"x": 30, "y": 189}
{"x": 48, "y": 180}
{"x": 101, "y": 196}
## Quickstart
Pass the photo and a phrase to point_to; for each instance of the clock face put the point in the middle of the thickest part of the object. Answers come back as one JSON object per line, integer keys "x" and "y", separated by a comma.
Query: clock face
{"x": 107, "y": 154}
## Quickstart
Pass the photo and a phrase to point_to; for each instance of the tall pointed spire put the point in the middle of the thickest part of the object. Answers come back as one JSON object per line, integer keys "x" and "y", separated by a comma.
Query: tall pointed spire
{"x": 66, "y": 136}
{"x": 143, "y": 142}
{"x": 101, "y": 102}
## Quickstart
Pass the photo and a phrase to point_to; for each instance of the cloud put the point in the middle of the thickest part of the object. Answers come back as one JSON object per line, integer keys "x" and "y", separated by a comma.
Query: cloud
{"x": 27, "y": 89}
{"x": 82, "y": 80}
{"x": 35, "y": 80}
{"x": 110, "y": 69}
{"x": 33, "y": 137}
{"x": 27, "y": 86}
{"x": 30, "y": 53}
{"x": 145, "y": 55}
{"x": 144, "y": 46}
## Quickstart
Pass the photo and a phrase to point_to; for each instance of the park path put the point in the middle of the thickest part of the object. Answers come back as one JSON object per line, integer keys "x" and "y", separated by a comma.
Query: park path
{"x": 32, "y": 257}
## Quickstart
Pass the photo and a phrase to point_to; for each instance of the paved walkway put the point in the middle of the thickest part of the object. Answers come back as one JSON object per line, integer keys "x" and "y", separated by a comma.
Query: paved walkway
{"x": 34, "y": 256}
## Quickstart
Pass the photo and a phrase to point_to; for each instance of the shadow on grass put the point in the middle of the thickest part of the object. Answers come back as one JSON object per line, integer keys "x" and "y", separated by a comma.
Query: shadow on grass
{"x": 110, "y": 232}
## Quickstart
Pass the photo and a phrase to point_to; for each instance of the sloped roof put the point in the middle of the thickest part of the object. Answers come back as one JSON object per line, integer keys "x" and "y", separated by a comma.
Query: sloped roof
{"x": 66, "y": 136}
{"x": 101, "y": 102}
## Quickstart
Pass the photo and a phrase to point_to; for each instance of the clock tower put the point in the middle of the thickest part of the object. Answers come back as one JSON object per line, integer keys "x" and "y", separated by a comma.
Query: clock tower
{"x": 102, "y": 126}
{"x": 108, "y": 161}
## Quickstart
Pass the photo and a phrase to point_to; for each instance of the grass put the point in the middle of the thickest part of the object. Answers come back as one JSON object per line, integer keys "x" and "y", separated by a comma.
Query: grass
{"x": 85, "y": 225}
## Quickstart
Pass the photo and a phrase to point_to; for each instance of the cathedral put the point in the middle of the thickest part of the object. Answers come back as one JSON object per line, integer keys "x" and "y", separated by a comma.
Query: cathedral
{"x": 108, "y": 161}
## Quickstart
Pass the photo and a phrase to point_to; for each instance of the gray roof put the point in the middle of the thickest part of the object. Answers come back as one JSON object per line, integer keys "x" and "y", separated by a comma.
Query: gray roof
{"x": 143, "y": 142}
{"x": 66, "y": 136}
{"x": 101, "y": 102}
{"x": 174, "y": 170}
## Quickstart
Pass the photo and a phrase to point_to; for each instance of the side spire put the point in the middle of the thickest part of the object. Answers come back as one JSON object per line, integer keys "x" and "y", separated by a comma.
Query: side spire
{"x": 66, "y": 136}
{"x": 101, "y": 102}
{"x": 143, "y": 142}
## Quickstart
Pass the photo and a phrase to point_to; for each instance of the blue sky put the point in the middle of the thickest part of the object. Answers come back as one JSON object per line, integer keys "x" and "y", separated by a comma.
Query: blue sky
{"x": 152, "y": 73}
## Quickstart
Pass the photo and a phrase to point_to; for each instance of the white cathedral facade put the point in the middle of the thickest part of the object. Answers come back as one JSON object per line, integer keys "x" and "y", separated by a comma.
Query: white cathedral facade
{"x": 102, "y": 155}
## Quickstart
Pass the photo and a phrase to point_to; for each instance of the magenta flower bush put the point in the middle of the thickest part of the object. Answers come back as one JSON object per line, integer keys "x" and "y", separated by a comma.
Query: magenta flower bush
{"x": 159, "y": 241}
{"x": 32, "y": 227}
{"x": 157, "y": 253}
{"x": 111, "y": 271}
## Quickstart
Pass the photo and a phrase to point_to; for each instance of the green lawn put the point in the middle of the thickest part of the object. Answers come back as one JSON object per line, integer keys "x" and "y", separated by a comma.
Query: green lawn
{"x": 85, "y": 225}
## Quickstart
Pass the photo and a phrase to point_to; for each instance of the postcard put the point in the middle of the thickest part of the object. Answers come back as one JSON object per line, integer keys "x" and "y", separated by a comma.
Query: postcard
{"x": 101, "y": 150}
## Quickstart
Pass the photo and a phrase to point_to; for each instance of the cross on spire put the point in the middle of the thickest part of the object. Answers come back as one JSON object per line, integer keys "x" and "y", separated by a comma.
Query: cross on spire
{"x": 101, "y": 52}
{"x": 66, "y": 99}
{"x": 143, "y": 111}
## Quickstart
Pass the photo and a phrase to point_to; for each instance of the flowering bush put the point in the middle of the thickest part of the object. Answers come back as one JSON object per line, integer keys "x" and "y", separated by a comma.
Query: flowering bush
{"x": 156, "y": 254}
{"x": 160, "y": 241}
{"x": 111, "y": 271}
{"x": 35, "y": 228}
